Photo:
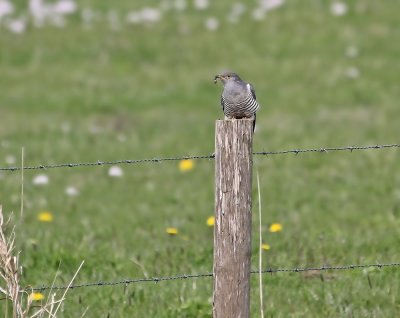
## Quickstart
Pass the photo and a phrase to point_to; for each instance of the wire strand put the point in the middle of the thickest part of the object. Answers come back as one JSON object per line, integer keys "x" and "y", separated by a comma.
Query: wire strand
{"x": 211, "y": 156}
{"x": 326, "y": 149}
{"x": 209, "y": 275}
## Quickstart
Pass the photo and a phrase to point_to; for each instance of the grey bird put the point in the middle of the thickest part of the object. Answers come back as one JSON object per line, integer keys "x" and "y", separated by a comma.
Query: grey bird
{"x": 238, "y": 99}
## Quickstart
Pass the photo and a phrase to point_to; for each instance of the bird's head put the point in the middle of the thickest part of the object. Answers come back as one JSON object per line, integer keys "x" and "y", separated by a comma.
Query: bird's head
{"x": 227, "y": 77}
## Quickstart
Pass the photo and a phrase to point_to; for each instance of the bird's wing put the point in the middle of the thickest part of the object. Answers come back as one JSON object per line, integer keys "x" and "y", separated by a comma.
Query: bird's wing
{"x": 250, "y": 87}
{"x": 222, "y": 103}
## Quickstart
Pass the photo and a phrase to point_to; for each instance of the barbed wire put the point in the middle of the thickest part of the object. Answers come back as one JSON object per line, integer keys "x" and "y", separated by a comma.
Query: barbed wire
{"x": 104, "y": 163}
{"x": 326, "y": 149}
{"x": 209, "y": 275}
{"x": 325, "y": 268}
{"x": 211, "y": 156}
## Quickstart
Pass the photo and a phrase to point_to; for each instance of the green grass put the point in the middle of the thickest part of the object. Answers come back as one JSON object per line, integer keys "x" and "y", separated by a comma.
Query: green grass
{"x": 147, "y": 91}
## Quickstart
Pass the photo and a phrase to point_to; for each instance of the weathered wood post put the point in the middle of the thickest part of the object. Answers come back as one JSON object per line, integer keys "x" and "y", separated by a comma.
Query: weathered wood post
{"x": 232, "y": 232}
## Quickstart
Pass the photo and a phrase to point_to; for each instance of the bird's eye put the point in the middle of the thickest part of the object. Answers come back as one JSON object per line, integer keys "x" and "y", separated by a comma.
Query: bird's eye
{"x": 228, "y": 76}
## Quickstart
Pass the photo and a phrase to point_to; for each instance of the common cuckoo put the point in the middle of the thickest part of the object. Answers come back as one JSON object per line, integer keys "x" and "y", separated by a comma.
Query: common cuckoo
{"x": 238, "y": 99}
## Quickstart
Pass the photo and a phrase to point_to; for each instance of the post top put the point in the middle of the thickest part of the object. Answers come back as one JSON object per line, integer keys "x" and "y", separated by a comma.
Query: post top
{"x": 235, "y": 119}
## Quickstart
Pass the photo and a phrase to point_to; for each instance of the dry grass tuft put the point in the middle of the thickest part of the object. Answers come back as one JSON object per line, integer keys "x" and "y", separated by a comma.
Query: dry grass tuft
{"x": 10, "y": 285}
{"x": 9, "y": 273}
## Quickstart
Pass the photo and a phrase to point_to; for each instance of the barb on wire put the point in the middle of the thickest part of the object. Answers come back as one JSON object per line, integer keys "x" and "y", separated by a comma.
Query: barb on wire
{"x": 211, "y": 156}
{"x": 209, "y": 275}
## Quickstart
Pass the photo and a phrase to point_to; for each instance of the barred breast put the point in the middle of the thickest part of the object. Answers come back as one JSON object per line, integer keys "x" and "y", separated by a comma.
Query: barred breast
{"x": 239, "y": 106}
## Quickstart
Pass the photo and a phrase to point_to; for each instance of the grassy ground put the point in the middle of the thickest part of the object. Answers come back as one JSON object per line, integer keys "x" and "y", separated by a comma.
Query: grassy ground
{"x": 82, "y": 95}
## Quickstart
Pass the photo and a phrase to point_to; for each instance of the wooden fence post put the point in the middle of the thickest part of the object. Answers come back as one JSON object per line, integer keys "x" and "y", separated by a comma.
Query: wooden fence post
{"x": 232, "y": 232}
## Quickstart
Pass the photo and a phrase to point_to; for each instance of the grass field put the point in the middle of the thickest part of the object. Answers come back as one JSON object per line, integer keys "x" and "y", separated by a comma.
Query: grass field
{"x": 110, "y": 90}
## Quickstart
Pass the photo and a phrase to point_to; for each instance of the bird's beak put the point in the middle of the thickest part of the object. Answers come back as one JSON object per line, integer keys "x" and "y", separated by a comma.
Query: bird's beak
{"x": 216, "y": 78}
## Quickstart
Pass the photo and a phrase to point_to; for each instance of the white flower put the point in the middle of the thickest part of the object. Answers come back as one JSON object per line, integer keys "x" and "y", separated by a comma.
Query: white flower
{"x": 115, "y": 171}
{"x": 17, "y": 26}
{"x": 52, "y": 13}
{"x": 71, "y": 191}
{"x": 212, "y": 24}
{"x": 6, "y": 8}
{"x": 265, "y": 6}
{"x": 338, "y": 8}
{"x": 268, "y": 5}
{"x": 201, "y": 4}
{"x": 150, "y": 15}
{"x": 64, "y": 7}
{"x": 40, "y": 179}
{"x": 38, "y": 11}
{"x": 36, "y": 6}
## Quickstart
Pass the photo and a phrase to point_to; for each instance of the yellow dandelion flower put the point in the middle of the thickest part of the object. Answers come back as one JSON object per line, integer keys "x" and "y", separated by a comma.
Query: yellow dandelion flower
{"x": 186, "y": 165}
{"x": 275, "y": 227}
{"x": 211, "y": 221}
{"x": 265, "y": 247}
{"x": 45, "y": 216}
{"x": 172, "y": 230}
{"x": 36, "y": 296}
